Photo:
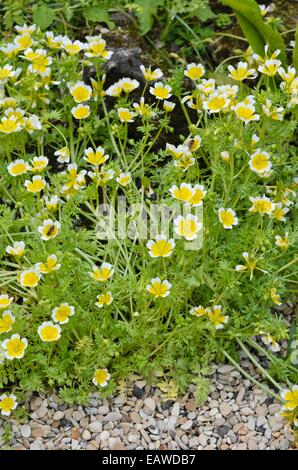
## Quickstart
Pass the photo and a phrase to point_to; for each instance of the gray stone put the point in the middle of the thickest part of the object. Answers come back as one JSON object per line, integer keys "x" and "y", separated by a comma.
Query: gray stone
{"x": 25, "y": 430}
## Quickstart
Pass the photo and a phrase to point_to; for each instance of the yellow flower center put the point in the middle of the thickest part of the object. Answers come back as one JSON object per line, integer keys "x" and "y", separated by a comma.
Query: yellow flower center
{"x": 62, "y": 313}
{"x": 161, "y": 248}
{"x": 183, "y": 194}
{"x": 81, "y": 93}
{"x": 187, "y": 228}
{"x": 244, "y": 112}
{"x": 158, "y": 289}
{"x": 49, "y": 333}
{"x": 216, "y": 103}
{"x": 227, "y": 218}
{"x": 260, "y": 161}
{"x": 18, "y": 169}
{"x": 30, "y": 279}
{"x": 9, "y": 125}
{"x": 7, "y": 404}
{"x": 161, "y": 92}
{"x": 195, "y": 73}
{"x": 15, "y": 348}
{"x": 101, "y": 376}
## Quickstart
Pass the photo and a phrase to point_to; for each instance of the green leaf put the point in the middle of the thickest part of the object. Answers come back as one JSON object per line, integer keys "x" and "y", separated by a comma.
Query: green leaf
{"x": 295, "y": 51}
{"x": 204, "y": 13}
{"x": 43, "y": 17}
{"x": 255, "y": 29}
{"x": 98, "y": 14}
{"x": 145, "y": 13}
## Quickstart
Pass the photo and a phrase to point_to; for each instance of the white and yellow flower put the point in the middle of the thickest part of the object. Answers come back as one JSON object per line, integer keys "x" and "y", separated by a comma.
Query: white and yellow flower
{"x": 125, "y": 115}
{"x": 270, "y": 67}
{"x": 217, "y": 318}
{"x": 96, "y": 47}
{"x": 7, "y": 319}
{"x": 17, "y": 249}
{"x": 49, "y": 266}
{"x": 81, "y": 111}
{"x": 101, "y": 377}
{"x": 8, "y": 403}
{"x": 128, "y": 84}
{"x": 49, "y": 332}
{"x": 23, "y": 42}
{"x": 52, "y": 202}
{"x": 49, "y": 229}
{"x": 227, "y": 217}
{"x": 198, "y": 311}
{"x": 39, "y": 60}
{"x": 245, "y": 110}
{"x": 26, "y": 29}
{"x": 63, "y": 155}
{"x": 14, "y": 347}
{"x": 102, "y": 273}
{"x": 269, "y": 341}
{"x": 62, "y": 313}
{"x": 96, "y": 157}
{"x": 72, "y": 47}
{"x": 29, "y": 277}
{"x": 36, "y": 185}
{"x": 194, "y": 71}
{"x": 290, "y": 398}
{"x": 260, "y": 162}
{"x": 143, "y": 109}
{"x": 161, "y": 91}
{"x": 102, "y": 176}
{"x": 168, "y": 106}
{"x": 6, "y": 72}
{"x": 282, "y": 242}
{"x": 161, "y": 247}
{"x": 178, "y": 152}
{"x": 54, "y": 42}
{"x": 199, "y": 193}
{"x": 104, "y": 299}
{"x": 207, "y": 87}
{"x": 80, "y": 92}
{"x": 151, "y": 75}
{"x": 275, "y": 113}
{"x": 184, "y": 162}
{"x": 194, "y": 143}
{"x": 5, "y": 301}
{"x": 31, "y": 124}
{"x": 39, "y": 163}
{"x": 274, "y": 296}
{"x": 18, "y": 167}
{"x": 279, "y": 212}
{"x": 159, "y": 288}
{"x": 182, "y": 193}
{"x": 124, "y": 179}
{"x": 188, "y": 227}
{"x": 225, "y": 156}
{"x": 9, "y": 125}
{"x": 114, "y": 90}
{"x": 216, "y": 102}
{"x": 242, "y": 72}
{"x": 261, "y": 205}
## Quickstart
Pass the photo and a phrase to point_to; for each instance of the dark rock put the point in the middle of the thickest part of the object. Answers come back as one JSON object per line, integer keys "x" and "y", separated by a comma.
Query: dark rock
{"x": 124, "y": 63}
{"x": 138, "y": 392}
{"x": 166, "y": 405}
{"x": 260, "y": 429}
{"x": 223, "y": 430}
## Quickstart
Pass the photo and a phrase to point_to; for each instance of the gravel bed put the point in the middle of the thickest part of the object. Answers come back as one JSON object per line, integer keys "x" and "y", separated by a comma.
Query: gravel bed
{"x": 236, "y": 416}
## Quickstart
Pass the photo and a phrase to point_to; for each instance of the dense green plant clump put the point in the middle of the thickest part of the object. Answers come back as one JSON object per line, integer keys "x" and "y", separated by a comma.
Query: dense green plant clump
{"x": 81, "y": 310}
